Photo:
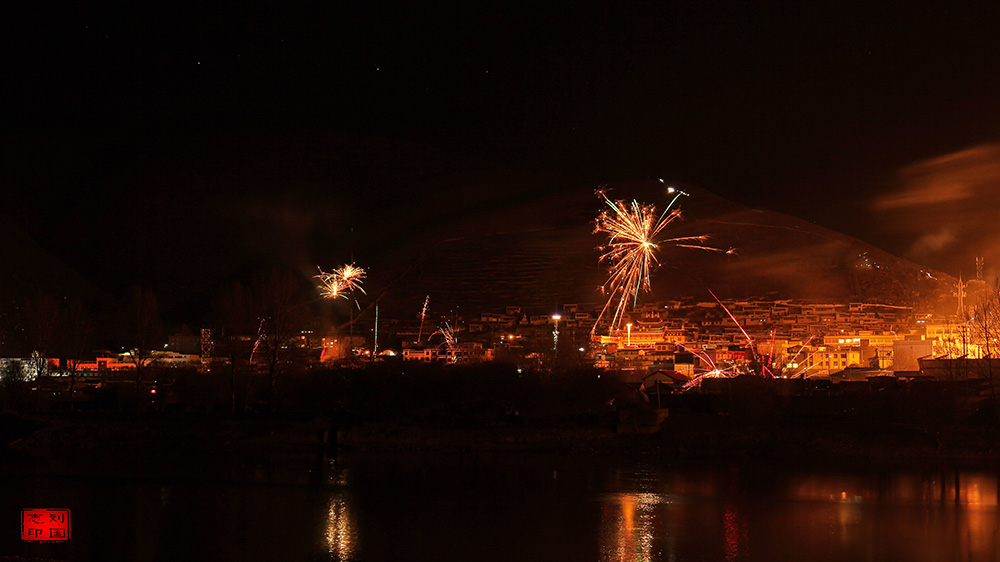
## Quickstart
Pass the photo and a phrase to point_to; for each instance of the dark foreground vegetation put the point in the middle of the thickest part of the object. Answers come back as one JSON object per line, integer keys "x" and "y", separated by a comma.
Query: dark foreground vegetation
{"x": 196, "y": 426}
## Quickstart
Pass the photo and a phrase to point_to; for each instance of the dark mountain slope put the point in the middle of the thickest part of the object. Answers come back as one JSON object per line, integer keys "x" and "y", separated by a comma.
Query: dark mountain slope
{"x": 543, "y": 253}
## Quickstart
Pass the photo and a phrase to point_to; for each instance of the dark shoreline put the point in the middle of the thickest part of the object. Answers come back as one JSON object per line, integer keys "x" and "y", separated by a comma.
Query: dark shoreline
{"x": 816, "y": 444}
{"x": 168, "y": 446}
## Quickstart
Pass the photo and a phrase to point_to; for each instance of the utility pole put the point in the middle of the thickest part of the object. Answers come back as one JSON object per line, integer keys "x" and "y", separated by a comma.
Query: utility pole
{"x": 375, "y": 343}
{"x": 961, "y": 297}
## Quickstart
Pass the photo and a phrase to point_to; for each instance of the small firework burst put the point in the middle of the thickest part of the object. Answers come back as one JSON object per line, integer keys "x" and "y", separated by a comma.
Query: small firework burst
{"x": 341, "y": 282}
{"x": 447, "y": 333}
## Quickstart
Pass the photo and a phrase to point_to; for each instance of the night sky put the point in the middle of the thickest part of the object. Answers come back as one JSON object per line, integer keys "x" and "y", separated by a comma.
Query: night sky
{"x": 140, "y": 136}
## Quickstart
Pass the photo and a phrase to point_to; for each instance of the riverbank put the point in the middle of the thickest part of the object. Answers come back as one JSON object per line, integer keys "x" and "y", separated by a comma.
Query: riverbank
{"x": 158, "y": 445}
{"x": 290, "y": 449}
{"x": 712, "y": 439}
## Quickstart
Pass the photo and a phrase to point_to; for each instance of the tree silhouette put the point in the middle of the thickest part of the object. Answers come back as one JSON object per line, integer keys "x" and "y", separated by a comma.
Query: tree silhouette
{"x": 142, "y": 320}
{"x": 235, "y": 326}
{"x": 277, "y": 307}
{"x": 77, "y": 335}
{"x": 41, "y": 317}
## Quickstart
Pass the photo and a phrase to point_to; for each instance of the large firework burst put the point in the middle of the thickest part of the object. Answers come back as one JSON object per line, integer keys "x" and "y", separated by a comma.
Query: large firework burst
{"x": 341, "y": 282}
{"x": 634, "y": 238}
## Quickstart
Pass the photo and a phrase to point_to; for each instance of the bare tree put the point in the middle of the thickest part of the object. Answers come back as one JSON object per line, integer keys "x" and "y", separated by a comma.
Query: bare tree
{"x": 13, "y": 377}
{"x": 78, "y": 332}
{"x": 42, "y": 316}
{"x": 984, "y": 335}
{"x": 144, "y": 331}
{"x": 275, "y": 300}
{"x": 235, "y": 326}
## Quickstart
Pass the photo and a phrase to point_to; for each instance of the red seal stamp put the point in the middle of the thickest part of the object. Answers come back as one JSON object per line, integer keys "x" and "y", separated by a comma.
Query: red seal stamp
{"x": 45, "y": 525}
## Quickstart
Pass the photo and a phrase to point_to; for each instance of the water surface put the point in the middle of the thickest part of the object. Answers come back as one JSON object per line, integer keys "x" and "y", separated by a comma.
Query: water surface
{"x": 520, "y": 507}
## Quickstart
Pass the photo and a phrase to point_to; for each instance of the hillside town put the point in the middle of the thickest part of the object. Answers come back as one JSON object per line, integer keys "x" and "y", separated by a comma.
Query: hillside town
{"x": 682, "y": 342}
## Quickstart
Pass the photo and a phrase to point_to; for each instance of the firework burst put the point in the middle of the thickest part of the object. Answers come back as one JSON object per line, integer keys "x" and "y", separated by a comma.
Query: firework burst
{"x": 634, "y": 233}
{"x": 447, "y": 333}
{"x": 341, "y": 282}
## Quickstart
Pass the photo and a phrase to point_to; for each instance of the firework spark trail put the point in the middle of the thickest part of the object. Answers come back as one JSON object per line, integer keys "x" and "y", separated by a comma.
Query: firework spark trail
{"x": 808, "y": 367}
{"x": 700, "y": 354}
{"x": 803, "y": 372}
{"x": 753, "y": 348}
{"x": 261, "y": 336}
{"x": 696, "y": 381}
{"x": 733, "y": 318}
{"x": 801, "y": 349}
{"x": 770, "y": 356}
{"x": 792, "y": 360}
{"x": 423, "y": 315}
{"x": 715, "y": 372}
{"x": 633, "y": 232}
{"x": 447, "y": 333}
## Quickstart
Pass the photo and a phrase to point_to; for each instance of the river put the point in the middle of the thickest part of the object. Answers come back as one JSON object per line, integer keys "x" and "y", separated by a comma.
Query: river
{"x": 512, "y": 507}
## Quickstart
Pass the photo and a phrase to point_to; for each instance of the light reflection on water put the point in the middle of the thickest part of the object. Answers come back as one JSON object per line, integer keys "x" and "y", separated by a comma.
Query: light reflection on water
{"x": 341, "y": 530}
{"x": 628, "y": 528}
{"x": 732, "y": 516}
{"x": 527, "y": 508}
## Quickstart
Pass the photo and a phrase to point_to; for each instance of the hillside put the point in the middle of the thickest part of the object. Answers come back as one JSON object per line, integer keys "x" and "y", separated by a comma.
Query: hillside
{"x": 542, "y": 253}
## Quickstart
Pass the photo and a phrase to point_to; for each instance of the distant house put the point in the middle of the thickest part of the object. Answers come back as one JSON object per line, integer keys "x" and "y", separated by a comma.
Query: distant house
{"x": 185, "y": 341}
{"x": 425, "y": 354}
{"x": 960, "y": 368}
{"x": 173, "y": 359}
{"x": 465, "y": 352}
{"x": 665, "y": 378}
{"x": 661, "y": 382}
{"x": 906, "y": 353}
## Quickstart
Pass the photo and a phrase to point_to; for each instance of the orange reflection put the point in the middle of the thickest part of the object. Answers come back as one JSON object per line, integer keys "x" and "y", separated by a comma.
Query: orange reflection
{"x": 734, "y": 532}
{"x": 978, "y": 490}
{"x": 957, "y": 517}
{"x": 628, "y": 531}
{"x": 341, "y": 533}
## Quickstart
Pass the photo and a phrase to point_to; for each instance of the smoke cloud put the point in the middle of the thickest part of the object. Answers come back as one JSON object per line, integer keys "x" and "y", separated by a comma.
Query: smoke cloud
{"x": 946, "y": 210}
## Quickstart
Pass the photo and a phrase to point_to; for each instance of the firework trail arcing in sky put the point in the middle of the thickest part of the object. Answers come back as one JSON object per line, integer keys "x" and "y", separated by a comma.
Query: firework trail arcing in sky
{"x": 765, "y": 368}
{"x": 423, "y": 315}
{"x": 261, "y": 336}
{"x": 633, "y": 232}
{"x": 341, "y": 282}
{"x": 733, "y": 318}
{"x": 715, "y": 371}
{"x": 447, "y": 333}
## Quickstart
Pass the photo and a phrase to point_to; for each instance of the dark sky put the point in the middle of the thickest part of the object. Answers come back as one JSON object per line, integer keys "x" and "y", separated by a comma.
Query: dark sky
{"x": 113, "y": 115}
